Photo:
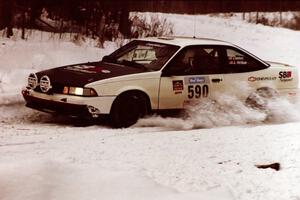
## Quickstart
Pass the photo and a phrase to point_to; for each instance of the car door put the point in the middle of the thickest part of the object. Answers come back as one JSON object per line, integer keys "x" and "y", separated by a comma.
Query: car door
{"x": 192, "y": 75}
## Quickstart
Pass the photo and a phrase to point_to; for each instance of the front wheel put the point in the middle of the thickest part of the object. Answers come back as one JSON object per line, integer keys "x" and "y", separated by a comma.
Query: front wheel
{"x": 127, "y": 109}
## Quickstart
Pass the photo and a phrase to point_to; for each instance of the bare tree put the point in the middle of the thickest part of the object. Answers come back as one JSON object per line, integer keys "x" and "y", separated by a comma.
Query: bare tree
{"x": 125, "y": 24}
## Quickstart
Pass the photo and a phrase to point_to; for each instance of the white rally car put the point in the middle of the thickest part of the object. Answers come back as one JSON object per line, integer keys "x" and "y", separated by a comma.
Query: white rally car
{"x": 157, "y": 74}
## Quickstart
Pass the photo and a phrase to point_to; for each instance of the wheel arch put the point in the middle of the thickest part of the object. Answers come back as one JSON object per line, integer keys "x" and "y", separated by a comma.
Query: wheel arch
{"x": 138, "y": 92}
{"x": 264, "y": 92}
{"x": 269, "y": 89}
{"x": 261, "y": 88}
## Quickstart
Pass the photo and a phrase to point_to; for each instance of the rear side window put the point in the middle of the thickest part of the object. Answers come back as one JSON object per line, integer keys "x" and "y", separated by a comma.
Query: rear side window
{"x": 237, "y": 61}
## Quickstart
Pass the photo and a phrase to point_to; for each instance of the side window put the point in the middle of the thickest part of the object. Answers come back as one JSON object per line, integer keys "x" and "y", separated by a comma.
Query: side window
{"x": 207, "y": 60}
{"x": 237, "y": 62}
{"x": 195, "y": 60}
{"x": 182, "y": 63}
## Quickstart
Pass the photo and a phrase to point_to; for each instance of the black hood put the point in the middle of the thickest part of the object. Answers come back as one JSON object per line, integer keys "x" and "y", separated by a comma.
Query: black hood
{"x": 81, "y": 74}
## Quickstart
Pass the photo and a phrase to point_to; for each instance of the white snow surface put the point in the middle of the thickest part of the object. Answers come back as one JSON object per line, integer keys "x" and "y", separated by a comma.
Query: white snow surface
{"x": 211, "y": 155}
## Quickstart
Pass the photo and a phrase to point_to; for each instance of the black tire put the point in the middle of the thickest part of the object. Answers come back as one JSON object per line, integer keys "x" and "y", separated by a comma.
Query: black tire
{"x": 260, "y": 98}
{"x": 127, "y": 109}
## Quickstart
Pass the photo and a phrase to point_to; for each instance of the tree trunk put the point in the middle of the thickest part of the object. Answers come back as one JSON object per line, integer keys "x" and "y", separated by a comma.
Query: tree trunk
{"x": 125, "y": 25}
{"x": 7, "y": 16}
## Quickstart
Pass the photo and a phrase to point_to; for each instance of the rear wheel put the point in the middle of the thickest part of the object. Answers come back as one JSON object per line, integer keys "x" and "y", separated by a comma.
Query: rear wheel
{"x": 127, "y": 109}
{"x": 260, "y": 98}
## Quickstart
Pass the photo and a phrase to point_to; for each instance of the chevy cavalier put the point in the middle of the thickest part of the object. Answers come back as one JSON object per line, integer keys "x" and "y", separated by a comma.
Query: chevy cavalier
{"x": 157, "y": 74}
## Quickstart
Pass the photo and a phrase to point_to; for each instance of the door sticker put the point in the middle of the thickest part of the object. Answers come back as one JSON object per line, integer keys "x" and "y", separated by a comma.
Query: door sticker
{"x": 178, "y": 86}
{"x": 196, "y": 80}
{"x": 198, "y": 91}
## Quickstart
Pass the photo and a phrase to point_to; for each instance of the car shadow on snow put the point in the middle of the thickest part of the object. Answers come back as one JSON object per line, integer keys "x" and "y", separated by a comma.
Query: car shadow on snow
{"x": 202, "y": 116}
{"x": 46, "y": 118}
{"x": 19, "y": 114}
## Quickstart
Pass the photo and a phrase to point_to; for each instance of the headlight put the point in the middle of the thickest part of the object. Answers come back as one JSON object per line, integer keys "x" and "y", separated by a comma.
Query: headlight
{"x": 45, "y": 84}
{"x": 76, "y": 91}
{"x": 32, "y": 81}
{"x": 87, "y": 92}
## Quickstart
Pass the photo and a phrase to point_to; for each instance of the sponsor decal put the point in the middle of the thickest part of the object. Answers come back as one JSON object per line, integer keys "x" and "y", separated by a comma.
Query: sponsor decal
{"x": 285, "y": 76}
{"x": 237, "y": 61}
{"x": 83, "y": 68}
{"x": 105, "y": 71}
{"x": 196, "y": 80}
{"x": 197, "y": 91}
{"x": 88, "y": 69}
{"x": 155, "y": 45}
{"x": 187, "y": 103}
{"x": 190, "y": 103}
{"x": 253, "y": 78}
{"x": 286, "y": 80}
{"x": 177, "y": 85}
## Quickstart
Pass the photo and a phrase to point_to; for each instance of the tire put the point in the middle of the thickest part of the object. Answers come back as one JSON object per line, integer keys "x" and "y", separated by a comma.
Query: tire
{"x": 260, "y": 98}
{"x": 127, "y": 109}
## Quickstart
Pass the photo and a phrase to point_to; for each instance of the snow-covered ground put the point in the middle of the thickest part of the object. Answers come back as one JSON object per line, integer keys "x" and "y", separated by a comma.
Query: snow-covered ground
{"x": 42, "y": 157}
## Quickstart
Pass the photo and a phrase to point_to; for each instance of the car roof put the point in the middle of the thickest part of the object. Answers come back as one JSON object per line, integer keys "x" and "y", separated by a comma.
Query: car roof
{"x": 189, "y": 41}
{"x": 186, "y": 41}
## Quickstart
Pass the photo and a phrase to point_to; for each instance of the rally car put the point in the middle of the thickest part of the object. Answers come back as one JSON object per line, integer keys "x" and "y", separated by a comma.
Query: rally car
{"x": 157, "y": 74}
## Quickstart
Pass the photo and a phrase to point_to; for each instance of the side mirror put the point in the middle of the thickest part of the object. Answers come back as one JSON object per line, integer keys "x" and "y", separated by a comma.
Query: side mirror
{"x": 106, "y": 59}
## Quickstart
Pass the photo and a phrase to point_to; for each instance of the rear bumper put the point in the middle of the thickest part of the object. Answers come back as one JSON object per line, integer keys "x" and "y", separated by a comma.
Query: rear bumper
{"x": 291, "y": 94}
{"x": 66, "y": 104}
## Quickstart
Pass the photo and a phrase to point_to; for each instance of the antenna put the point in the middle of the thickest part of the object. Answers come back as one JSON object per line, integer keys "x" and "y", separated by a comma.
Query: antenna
{"x": 194, "y": 26}
{"x": 194, "y": 20}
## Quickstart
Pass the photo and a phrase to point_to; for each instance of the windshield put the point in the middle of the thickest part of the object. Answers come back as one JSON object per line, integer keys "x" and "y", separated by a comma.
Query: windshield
{"x": 150, "y": 56}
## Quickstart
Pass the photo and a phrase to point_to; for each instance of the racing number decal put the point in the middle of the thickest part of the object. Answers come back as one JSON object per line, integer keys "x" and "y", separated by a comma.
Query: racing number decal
{"x": 197, "y": 91}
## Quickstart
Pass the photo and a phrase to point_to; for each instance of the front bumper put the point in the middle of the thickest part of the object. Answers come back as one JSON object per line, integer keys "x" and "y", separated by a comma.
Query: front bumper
{"x": 67, "y": 104}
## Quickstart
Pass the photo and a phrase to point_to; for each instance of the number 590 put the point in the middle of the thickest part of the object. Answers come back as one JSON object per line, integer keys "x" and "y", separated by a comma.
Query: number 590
{"x": 197, "y": 91}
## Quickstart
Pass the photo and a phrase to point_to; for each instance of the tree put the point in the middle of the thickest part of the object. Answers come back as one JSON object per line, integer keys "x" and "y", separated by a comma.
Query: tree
{"x": 7, "y": 15}
{"x": 125, "y": 25}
